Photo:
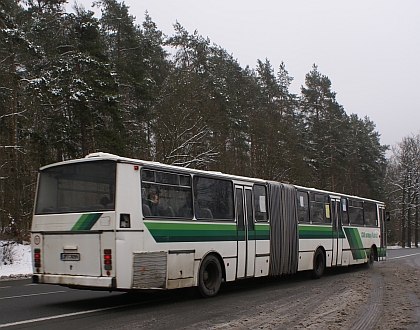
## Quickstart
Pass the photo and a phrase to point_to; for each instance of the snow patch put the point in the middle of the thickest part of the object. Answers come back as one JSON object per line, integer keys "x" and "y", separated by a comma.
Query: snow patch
{"x": 22, "y": 262}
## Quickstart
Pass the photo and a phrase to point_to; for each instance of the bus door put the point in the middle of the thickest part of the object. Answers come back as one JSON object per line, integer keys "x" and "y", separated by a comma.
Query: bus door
{"x": 245, "y": 231}
{"x": 337, "y": 230}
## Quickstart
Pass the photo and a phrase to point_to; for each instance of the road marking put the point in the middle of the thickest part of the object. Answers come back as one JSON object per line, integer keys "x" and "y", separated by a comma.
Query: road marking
{"x": 409, "y": 255}
{"x": 31, "y": 295}
{"x": 5, "y": 287}
{"x": 64, "y": 315}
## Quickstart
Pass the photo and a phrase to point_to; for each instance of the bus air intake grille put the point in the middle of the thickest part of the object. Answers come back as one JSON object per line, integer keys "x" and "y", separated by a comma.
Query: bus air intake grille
{"x": 149, "y": 270}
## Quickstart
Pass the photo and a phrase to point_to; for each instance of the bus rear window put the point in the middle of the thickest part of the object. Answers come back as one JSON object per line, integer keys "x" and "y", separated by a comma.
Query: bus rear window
{"x": 79, "y": 187}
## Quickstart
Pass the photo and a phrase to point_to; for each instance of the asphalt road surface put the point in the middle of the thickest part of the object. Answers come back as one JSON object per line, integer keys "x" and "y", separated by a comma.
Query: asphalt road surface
{"x": 385, "y": 296}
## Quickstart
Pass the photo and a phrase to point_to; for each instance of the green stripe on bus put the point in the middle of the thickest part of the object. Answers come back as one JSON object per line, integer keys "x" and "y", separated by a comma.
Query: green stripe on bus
{"x": 241, "y": 236}
{"x": 355, "y": 242}
{"x": 318, "y": 232}
{"x": 86, "y": 221}
{"x": 189, "y": 232}
{"x": 199, "y": 232}
{"x": 202, "y": 232}
{"x": 262, "y": 231}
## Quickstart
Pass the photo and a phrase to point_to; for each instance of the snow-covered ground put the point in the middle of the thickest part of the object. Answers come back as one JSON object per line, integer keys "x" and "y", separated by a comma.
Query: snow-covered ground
{"x": 22, "y": 262}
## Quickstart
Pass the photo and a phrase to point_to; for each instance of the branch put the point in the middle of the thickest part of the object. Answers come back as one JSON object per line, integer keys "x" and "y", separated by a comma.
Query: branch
{"x": 7, "y": 57}
{"x": 18, "y": 148}
{"x": 13, "y": 114}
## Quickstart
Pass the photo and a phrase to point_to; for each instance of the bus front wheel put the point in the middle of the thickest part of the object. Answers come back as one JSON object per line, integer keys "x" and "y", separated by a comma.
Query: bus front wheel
{"x": 210, "y": 276}
{"x": 319, "y": 264}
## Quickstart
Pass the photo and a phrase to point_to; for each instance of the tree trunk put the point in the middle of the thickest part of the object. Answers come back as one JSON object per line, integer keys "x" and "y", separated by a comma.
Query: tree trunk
{"x": 416, "y": 233}
{"x": 403, "y": 218}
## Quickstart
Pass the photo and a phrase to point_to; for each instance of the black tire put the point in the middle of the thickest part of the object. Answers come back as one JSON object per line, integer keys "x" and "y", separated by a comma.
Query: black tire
{"x": 371, "y": 258}
{"x": 319, "y": 264}
{"x": 210, "y": 276}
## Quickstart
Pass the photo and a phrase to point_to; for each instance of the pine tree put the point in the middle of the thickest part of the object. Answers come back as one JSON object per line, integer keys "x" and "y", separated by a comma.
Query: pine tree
{"x": 156, "y": 70}
{"x": 78, "y": 112}
{"x": 404, "y": 177}
{"x": 275, "y": 123}
{"x": 96, "y": 106}
{"x": 229, "y": 86}
{"x": 326, "y": 124}
{"x": 365, "y": 159}
{"x": 183, "y": 135}
{"x": 265, "y": 122}
{"x": 139, "y": 64}
{"x": 15, "y": 172}
{"x": 291, "y": 129}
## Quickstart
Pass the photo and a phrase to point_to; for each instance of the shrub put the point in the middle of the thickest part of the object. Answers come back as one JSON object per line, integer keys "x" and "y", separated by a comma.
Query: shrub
{"x": 7, "y": 252}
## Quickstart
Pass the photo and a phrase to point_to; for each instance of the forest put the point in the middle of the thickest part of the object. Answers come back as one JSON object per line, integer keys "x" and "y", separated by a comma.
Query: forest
{"x": 72, "y": 83}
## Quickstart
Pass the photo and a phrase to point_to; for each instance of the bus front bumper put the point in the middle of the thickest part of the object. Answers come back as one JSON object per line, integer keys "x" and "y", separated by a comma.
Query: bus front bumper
{"x": 88, "y": 282}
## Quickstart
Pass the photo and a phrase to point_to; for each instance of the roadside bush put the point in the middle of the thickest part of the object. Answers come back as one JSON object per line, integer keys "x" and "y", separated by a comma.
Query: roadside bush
{"x": 7, "y": 252}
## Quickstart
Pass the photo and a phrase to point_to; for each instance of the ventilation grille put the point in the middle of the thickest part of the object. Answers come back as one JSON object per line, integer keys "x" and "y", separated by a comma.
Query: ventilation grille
{"x": 149, "y": 270}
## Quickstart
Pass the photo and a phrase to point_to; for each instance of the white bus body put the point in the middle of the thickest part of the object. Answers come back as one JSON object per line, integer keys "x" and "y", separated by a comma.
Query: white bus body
{"x": 93, "y": 227}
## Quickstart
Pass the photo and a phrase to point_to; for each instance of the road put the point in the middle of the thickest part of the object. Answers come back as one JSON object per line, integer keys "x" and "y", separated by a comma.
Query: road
{"x": 386, "y": 296}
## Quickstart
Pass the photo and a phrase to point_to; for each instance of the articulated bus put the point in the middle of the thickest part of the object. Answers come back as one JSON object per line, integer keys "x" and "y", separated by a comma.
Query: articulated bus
{"x": 112, "y": 223}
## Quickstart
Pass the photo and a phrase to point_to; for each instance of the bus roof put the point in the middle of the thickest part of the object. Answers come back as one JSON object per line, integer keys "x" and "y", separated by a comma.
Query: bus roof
{"x": 331, "y": 193}
{"x": 156, "y": 165}
{"x": 107, "y": 156}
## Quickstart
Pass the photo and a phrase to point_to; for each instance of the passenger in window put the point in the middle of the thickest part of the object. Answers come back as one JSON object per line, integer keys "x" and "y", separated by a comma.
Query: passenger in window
{"x": 318, "y": 217}
{"x": 186, "y": 210}
{"x": 153, "y": 203}
{"x": 104, "y": 201}
{"x": 359, "y": 219}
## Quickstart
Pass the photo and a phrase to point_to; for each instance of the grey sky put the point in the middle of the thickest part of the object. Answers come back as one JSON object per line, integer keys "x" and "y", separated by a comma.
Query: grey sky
{"x": 370, "y": 49}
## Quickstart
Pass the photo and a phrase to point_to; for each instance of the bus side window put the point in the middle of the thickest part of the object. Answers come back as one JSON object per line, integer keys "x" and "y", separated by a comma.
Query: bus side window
{"x": 166, "y": 195}
{"x": 303, "y": 206}
{"x": 213, "y": 198}
{"x": 249, "y": 210}
{"x": 240, "y": 209}
{"x": 260, "y": 203}
{"x": 370, "y": 213}
{"x": 327, "y": 211}
{"x": 344, "y": 212}
{"x": 320, "y": 211}
{"x": 356, "y": 212}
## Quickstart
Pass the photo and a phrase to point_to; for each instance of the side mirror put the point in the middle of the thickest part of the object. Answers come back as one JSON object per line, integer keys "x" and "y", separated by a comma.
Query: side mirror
{"x": 387, "y": 216}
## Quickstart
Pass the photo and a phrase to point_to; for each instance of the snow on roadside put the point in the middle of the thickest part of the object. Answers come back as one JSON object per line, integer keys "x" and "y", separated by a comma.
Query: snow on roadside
{"x": 22, "y": 262}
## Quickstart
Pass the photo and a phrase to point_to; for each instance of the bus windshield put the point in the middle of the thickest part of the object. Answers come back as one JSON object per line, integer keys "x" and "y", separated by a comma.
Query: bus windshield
{"x": 78, "y": 187}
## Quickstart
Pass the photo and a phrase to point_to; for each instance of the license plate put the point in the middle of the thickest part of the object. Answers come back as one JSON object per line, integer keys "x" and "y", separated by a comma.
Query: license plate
{"x": 70, "y": 256}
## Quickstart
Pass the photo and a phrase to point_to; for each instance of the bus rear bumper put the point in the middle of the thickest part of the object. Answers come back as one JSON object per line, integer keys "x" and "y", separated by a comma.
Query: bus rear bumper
{"x": 88, "y": 282}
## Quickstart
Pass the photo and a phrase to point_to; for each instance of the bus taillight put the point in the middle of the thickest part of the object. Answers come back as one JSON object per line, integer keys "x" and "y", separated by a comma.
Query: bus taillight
{"x": 37, "y": 259}
{"x": 108, "y": 260}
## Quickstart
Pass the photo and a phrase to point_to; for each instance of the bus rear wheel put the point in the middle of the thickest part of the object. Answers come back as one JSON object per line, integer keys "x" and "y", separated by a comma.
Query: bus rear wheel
{"x": 371, "y": 258}
{"x": 210, "y": 276}
{"x": 319, "y": 264}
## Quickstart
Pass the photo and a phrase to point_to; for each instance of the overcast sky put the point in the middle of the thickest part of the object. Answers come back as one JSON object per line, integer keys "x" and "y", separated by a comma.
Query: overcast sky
{"x": 370, "y": 49}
